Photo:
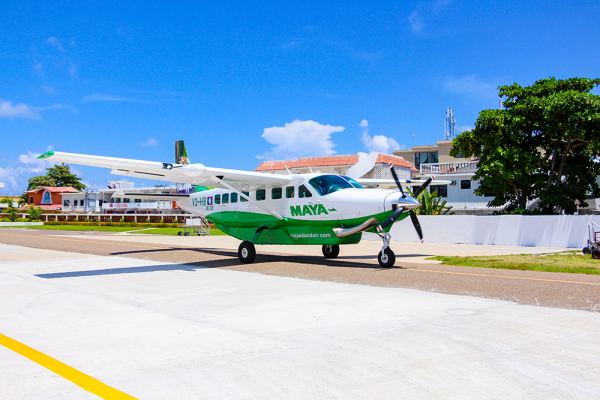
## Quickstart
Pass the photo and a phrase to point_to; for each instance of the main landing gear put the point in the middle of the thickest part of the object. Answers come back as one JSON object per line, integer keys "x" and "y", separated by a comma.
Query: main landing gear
{"x": 331, "y": 250}
{"x": 386, "y": 256}
{"x": 246, "y": 252}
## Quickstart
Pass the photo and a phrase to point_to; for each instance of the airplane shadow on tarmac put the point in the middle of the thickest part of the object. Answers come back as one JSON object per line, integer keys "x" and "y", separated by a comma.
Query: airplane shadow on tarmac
{"x": 219, "y": 263}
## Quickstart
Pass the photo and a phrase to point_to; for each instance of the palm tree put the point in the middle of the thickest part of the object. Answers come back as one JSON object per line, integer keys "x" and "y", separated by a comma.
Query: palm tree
{"x": 431, "y": 204}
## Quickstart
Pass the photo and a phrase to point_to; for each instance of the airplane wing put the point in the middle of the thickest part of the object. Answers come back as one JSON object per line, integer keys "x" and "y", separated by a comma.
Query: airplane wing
{"x": 390, "y": 184}
{"x": 194, "y": 174}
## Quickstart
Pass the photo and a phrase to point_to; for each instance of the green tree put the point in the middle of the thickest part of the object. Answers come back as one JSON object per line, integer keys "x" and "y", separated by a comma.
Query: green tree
{"x": 431, "y": 204}
{"x": 57, "y": 176}
{"x": 12, "y": 214}
{"x": 35, "y": 213}
{"x": 543, "y": 145}
{"x": 6, "y": 200}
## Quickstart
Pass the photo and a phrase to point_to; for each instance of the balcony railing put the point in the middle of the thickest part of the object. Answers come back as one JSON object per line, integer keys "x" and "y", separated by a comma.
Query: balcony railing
{"x": 449, "y": 168}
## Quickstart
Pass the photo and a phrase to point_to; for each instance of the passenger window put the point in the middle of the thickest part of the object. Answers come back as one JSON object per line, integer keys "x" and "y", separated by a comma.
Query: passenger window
{"x": 276, "y": 193}
{"x": 234, "y": 197}
{"x": 217, "y": 199}
{"x": 289, "y": 192}
{"x": 261, "y": 194}
{"x": 303, "y": 192}
{"x": 242, "y": 199}
{"x": 225, "y": 198}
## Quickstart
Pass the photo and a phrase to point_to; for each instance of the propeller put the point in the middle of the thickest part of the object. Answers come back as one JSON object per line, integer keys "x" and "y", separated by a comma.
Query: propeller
{"x": 413, "y": 217}
{"x": 415, "y": 221}
{"x": 396, "y": 179}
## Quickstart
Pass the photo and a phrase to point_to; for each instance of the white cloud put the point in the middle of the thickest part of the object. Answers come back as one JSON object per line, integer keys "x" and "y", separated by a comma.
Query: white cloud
{"x": 300, "y": 139}
{"x": 378, "y": 143}
{"x": 472, "y": 87}
{"x": 26, "y": 166}
{"x": 416, "y": 21}
{"x": 150, "y": 142}
{"x": 54, "y": 42}
{"x": 59, "y": 107}
{"x": 48, "y": 89}
{"x": 104, "y": 97}
{"x": 7, "y": 110}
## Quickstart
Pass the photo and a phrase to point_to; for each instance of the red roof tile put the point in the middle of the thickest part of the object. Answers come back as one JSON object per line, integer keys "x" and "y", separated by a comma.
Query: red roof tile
{"x": 62, "y": 189}
{"x": 50, "y": 207}
{"x": 330, "y": 161}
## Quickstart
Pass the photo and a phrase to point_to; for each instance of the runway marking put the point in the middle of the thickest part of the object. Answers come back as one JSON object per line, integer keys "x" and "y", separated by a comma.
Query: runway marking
{"x": 82, "y": 380}
{"x": 412, "y": 269}
{"x": 503, "y": 276}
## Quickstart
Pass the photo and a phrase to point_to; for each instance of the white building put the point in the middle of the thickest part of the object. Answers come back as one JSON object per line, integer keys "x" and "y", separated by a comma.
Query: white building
{"x": 103, "y": 202}
{"x": 435, "y": 160}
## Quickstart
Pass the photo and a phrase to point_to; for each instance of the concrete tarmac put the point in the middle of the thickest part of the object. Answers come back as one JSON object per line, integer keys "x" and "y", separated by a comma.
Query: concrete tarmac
{"x": 165, "y": 330}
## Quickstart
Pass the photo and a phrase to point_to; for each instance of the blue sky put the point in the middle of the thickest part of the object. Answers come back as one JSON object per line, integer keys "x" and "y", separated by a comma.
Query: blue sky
{"x": 243, "y": 82}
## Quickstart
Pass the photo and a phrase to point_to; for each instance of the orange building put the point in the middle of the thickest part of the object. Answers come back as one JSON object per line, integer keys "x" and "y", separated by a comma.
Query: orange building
{"x": 49, "y": 198}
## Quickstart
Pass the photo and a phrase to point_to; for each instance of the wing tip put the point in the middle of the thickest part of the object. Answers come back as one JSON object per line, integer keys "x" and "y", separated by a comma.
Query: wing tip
{"x": 47, "y": 154}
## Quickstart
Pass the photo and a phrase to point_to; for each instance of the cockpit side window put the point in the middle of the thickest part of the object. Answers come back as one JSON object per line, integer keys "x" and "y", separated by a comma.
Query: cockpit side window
{"x": 353, "y": 182}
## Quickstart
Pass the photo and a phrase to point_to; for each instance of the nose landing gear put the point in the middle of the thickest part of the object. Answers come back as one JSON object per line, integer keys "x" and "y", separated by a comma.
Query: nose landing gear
{"x": 386, "y": 256}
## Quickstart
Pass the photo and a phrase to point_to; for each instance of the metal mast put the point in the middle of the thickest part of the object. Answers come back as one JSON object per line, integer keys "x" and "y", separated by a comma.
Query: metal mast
{"x": 449, "y": 124}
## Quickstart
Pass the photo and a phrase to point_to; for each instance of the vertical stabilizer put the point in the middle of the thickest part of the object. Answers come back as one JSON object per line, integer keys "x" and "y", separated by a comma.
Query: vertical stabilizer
{"x": 181, "y": 155}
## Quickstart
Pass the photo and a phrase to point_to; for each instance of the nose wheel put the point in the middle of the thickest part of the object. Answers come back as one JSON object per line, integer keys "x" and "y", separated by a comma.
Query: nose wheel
{"x": 386, "y": 256}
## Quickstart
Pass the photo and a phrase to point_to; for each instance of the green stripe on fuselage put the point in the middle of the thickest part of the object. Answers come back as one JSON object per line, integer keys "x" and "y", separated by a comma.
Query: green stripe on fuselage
{"x": 243, "y": 226}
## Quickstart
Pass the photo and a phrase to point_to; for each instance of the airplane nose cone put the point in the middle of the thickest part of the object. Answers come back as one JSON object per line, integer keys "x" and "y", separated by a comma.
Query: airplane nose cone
{"x": 409, "y": 203}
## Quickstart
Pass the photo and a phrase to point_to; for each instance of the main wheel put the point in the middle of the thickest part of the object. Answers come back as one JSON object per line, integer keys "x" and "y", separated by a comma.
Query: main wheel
{"x": 186, "y": 234}
{"x": 586, "y": 250}
{"x": 331, "y": 250}
{"x": 246, "y": 252}
{"x": 179, "y": 233}
{"x": 387, "y": 258}
{"x": 596, "y": 254}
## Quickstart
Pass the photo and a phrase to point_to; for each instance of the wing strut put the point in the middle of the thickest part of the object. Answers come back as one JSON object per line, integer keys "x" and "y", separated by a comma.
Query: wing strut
{"x": 220, "y": 180}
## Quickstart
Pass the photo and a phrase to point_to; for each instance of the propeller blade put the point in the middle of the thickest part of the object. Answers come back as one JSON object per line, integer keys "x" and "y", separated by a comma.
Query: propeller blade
{"x": 390, "y": 220}
{"x": 422, "y": 187}
{"x": 396, "y": 179}
{"x": 416, "y": 223}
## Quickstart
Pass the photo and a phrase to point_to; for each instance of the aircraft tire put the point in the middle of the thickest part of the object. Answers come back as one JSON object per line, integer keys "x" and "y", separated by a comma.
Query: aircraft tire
{"x": 386, "y": 259}
{"x": 587, "y": 250}
{"x": 331, "y": 251}
{"x": 246, "y": 252}
{"x": 186, "y": 234}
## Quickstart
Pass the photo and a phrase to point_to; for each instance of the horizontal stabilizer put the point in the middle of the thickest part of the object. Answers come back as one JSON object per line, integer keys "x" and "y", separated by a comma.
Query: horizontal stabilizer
{"x": 152, "y": 196}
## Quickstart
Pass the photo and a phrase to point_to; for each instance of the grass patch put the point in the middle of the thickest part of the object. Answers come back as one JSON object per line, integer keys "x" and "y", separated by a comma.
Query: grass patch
{"x": 570, "y": 261}
{"x": 83, "y": 228}
{"x": 174, "y": 231}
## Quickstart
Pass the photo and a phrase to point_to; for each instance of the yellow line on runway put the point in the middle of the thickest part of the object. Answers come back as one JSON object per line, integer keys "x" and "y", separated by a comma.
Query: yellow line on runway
{"x": 503, "y": 276}
{"x": 82, "y": 380}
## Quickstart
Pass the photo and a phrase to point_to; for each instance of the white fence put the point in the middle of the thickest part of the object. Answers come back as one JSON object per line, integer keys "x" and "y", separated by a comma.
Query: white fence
{"x": 511, "y": 230}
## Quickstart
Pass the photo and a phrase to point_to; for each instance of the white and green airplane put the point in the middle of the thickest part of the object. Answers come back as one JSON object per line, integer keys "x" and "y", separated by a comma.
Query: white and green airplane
{"x": 260, "y": 208}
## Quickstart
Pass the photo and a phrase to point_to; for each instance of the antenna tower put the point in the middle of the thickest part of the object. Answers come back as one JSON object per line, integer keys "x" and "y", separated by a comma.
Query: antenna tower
{"x": 449, "y": 124}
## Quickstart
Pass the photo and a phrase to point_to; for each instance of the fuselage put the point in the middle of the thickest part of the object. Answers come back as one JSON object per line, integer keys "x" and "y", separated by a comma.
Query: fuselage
{"x": 310, "y": 209}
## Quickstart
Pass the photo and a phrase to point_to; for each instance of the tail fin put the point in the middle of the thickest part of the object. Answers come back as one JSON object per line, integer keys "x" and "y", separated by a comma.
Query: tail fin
{"x": 181, "y": 155}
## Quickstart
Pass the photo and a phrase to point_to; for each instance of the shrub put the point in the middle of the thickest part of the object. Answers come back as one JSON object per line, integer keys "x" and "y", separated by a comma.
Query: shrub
{"x": 35, "y": 213}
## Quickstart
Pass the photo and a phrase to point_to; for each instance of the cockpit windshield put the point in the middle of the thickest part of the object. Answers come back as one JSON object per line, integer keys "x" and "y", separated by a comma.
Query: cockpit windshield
{"x": 326, "y": 184}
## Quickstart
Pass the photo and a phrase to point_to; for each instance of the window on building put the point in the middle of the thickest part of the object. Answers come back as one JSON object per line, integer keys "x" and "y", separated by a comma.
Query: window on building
{"x": 465, "y": 184}
{"x": 426, "y": 158}
{"x": 243, "y": 199}
{"x": 303, "y": 192}
{"x": 261, "y": 194}
{"x": 137, "y": 200}
{"x": 126, "y": 200}
{"x": 31, "y": 200}
{"x": 225, "y": 198}
{"x": 66, "y": 203}
{"x": 217, "y": 199}
{"x": 442, "y": 190}
{"x": 234, "y": 197}
{"x": 289, "y": 192}
{"x": 276, "y": 193}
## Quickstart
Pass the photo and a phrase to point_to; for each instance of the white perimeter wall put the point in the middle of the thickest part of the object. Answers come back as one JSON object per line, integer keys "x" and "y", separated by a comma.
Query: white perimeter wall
{"x": 511, "y": 230}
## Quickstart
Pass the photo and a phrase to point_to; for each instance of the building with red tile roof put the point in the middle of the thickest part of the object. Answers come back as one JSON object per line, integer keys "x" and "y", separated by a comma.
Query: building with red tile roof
{"x": 49, "y": 198}
{"x": 375, "y": 163}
